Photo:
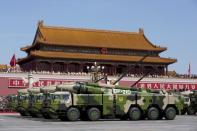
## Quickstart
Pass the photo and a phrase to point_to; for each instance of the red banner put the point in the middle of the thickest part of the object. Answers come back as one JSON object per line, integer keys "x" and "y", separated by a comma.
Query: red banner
{"x": 168, "y": 86}
{"x": 19, "y": 83}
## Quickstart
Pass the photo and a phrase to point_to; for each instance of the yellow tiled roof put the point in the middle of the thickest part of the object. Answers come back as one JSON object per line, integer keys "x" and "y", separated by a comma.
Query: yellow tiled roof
{"x": 25, "y": 48}
{"x": 94, "y": 38}
{"x": 102, "y": 57}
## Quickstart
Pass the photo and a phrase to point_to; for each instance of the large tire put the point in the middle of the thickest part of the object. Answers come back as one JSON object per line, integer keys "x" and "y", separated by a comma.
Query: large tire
{"x": 153, "y": 113}
{"x": 134, "y": 113}
{"x": 190, "y": 111}
{"x": 170, "y": 113}
{"x": 93, "y": 114}
{"x": 72, "y": 114}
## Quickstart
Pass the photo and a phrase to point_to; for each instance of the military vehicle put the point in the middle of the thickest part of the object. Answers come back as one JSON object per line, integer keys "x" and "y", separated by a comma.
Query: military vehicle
{"x": 92, "y": 101}
{"x": 192, "y": 108}
{"x": 190, "y": 101}
{"x": 12, "y": 102}
{"x": 23, "y": 102}
{"x": 49, "y": 103}
{"x": 35, "y": 102}
{"x": 184, "y": 96}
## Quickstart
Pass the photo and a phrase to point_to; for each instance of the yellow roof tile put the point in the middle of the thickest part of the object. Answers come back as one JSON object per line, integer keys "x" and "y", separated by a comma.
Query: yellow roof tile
{"x": 120, "y": 58}
{"x": 95, "y": 38}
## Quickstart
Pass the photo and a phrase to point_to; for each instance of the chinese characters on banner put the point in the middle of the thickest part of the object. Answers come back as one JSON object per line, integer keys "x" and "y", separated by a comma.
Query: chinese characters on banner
{"x": 19, "y": 83}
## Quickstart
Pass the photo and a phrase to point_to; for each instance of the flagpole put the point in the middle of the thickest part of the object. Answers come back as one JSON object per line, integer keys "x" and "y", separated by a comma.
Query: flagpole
{"x": 189, "y": 70}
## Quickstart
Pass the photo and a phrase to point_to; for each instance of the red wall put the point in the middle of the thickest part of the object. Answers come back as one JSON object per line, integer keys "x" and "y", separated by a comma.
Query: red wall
{"x": 4, "y": 87}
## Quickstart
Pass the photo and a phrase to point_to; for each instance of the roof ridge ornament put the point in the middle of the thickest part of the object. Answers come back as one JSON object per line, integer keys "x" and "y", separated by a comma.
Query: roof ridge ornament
{"x": 141, "y": 31}
{"x": 41, "y": 23}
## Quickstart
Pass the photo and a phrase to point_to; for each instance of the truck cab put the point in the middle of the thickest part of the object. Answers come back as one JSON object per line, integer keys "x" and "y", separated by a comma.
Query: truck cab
{"x": 54, "y": 102}
{"x": 23, "y": 104}
{"x": 35, "y": 104}
{"x": 12, "y": 102}
{"x": 192, "y": 108}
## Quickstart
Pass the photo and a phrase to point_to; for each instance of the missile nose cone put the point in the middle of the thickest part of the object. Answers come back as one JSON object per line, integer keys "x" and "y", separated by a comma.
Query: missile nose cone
{"x": 67, "y": 87}
{"x": 61, "y": 86}
{"x": 51, "y": 88}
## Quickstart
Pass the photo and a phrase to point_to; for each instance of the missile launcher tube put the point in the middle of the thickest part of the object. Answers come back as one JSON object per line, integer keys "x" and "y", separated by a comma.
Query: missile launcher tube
{"x": 22, "y": 91}
{"x": 48, "y": 89}
{"x": 82, "y": 89}
{"x": 34, "y": 90}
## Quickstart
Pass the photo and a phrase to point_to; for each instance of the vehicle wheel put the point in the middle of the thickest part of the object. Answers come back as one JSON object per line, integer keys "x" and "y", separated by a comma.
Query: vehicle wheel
{"x": 134, "y": 113}
{"x": 93, "y": 114}
{"x": 170, "y": 113}
{"x": 190, "y": 111}
{"x": 73, "y": 114}
{"x": 153, "y": 113}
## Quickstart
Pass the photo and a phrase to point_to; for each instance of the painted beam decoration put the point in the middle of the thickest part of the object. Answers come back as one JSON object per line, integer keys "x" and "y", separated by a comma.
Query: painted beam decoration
{"x": 19, "y": 83}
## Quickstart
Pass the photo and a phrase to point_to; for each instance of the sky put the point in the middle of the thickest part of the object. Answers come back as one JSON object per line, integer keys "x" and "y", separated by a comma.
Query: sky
{"x": 167, "y": 23}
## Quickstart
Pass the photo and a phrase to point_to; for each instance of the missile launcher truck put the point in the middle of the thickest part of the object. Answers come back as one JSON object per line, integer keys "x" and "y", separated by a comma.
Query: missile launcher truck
{"x": 92, "y": 101}
{"x": 23, "y": 102}
{"x": 35, "y": 101}
{"x": 191, "y": 107}
{"x": 49, "y": 103}
{"x": 12, "y": 102}
{"x": 190, "y": 101}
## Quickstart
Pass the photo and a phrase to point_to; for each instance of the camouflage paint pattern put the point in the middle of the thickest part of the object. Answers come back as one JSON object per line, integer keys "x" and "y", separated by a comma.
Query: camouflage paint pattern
{"x": 114, "y": 101}
{"x": 53, "y": 104}
{"x": 23, "y": 103}
{"x": 12, "y": 99}
{"x": 35, "y": 104}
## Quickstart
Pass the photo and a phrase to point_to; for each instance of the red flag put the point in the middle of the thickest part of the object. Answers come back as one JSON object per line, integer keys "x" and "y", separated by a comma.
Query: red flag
{"x": 13, "y": 61}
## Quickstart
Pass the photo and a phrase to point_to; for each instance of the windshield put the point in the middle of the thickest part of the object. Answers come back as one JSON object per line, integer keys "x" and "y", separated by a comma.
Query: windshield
{"x": 22, "y": 97}
{"x": 11, "y": 98}
{"x": 186, "y": 99}
{"x": 60, "y": 96}
{"x": 40, "y": 97}
{"x": 36, "y": 97}
{"x": 47, "y": 96}
{"x": 31, "y": 98}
